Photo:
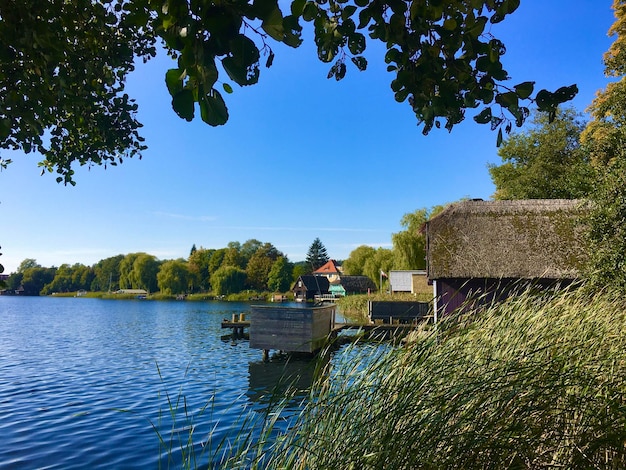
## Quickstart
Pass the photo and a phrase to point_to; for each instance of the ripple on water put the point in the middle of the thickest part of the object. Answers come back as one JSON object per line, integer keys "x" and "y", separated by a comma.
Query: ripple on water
{"x": 81, "y": 387}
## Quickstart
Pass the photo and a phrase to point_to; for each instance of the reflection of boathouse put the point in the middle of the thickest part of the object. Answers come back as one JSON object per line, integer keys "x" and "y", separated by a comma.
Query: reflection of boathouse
{"x": 284, "y": 374}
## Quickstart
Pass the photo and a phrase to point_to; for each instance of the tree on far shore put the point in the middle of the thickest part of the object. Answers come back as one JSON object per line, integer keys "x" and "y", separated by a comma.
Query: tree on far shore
{"x": 317, "y": 256}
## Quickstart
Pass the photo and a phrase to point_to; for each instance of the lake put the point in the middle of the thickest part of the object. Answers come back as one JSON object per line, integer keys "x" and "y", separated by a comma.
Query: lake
{"x": 91, "y": 383}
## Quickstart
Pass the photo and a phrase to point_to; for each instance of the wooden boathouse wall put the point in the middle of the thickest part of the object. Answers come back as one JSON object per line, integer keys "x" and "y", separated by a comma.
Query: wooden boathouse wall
{"x": 401, "y": 311}
{"x": 291, "y": 329}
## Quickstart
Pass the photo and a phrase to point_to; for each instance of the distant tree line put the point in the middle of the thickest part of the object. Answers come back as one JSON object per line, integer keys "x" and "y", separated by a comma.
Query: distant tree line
{"x": 253, "y": 265}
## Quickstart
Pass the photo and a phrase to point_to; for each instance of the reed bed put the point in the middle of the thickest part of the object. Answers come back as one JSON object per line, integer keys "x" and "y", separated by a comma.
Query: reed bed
{"x": 534, "y": 382}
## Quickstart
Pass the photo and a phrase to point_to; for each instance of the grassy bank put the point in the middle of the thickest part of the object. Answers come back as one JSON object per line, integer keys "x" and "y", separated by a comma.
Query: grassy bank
{"x": 533, "y": 383}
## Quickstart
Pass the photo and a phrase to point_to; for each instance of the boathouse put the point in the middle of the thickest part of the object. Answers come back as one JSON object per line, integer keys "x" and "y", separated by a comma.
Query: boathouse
{"x": 349, "y": 285}
{"x": 482, "y": 251}
{"x": 407, "y": 281}
{"x": 309, "y": 286}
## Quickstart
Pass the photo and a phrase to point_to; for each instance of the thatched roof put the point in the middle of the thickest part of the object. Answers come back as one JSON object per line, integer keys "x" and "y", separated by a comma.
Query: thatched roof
{"x": 357, "y": 284}
{"x": 527, "y": 239}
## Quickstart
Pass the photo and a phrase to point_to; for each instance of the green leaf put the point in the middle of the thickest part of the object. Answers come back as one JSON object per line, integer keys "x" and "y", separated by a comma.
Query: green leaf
{"x": 450, "y": 24}
{"x": 264, "y": 8}
{"x": 524, "y": 90}
{"x": 270, "y": 59}
{"x": 499, "y": 140}
{"x": 310, "y": 11}
{"x": 183, "y": 104}
{"x": 297, "y": 7}
{"x": 348, "y": 11}
{"x": 356, "y": 43}
{"x": 508, "y": 99}
{"x": 360, "y": 62}
{"x": 293, "y": 31}
{"x": 544, "y": 100}
{"x": 273, "y": 25}
{"x": 227, "y": 88}
{"x": 341, "y": 71}
{"x": 174, "y": 80}
{"x": 484, "y": 116}
{"x": 213, "y": 109}
{"x": 332, "y": 71}
{"x": 565, "y": 93}
{"x": 243, "y": 65}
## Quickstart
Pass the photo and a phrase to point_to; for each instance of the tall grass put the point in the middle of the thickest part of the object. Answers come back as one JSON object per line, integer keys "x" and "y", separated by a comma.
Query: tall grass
{"x": 535, "y": 382}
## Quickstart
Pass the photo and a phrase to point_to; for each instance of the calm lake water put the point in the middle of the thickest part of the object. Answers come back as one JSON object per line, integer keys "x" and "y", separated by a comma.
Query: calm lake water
{"x": 84, "y": 383}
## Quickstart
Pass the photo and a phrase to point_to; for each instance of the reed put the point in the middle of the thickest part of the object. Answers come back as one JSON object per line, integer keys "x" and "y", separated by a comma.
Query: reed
{"x": 536, "y": 382}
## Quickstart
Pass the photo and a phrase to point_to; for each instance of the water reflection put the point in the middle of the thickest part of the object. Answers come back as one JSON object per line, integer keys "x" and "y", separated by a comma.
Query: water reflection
{"x": 287, "y": 376}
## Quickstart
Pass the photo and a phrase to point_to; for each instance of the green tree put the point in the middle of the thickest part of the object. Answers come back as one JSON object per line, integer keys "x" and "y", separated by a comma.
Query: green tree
{"x": 199, "y": 273}
{"x": 107, "y": 274}
{"x": 228, "y": 280}
{"x": 217, "y": 259}
{"x": 299, "y": 269}
{"x": 280, "y": 275}
{"x": 14, "y": 281}
{"x": 65, "y": 64}
{"x": 34, "y": 279}
{"x": 70, "y": 279}
{"x": 317, "y": 256}
{"x": 382, "y": 260}
{"x": 64, "y": 68}
{"x": 173, "y": 277}
{"x": 138, "y": 271}
{"x": 355, "y": 264}
{"x": 546, "y": 161}
{"x": 259, "y": 266}
{"x": 232, "y": 256}
{"x": 409, "y": 245}
{"x": 145, "y": 269}
{"x": 27, "y": 264}
{"x": 249, "y": 248}
{"x": 605, "y": 136}
{"x": 127, "y": 280}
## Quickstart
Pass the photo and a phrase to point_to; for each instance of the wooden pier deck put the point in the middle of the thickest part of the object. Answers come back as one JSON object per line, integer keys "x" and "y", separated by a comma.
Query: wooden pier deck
{"x": 338, "y": 327}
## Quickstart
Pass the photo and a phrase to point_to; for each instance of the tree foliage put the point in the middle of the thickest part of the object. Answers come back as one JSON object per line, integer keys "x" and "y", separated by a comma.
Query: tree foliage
{"x": 138, "y": 271}
{"x": 228, "y": 280}
{"x": 260, "y": 265}
{"x": 173, "y": 277}
{"x": 107, "y": 274}
{"x": 546, "y": 161}
{"x": 35, "y": 278}
{"x": 317, "y": 256}
{"x": 64, "y": 64}
{"x": 199, "y": 272}
{"x": 605, "y": 136}
{"x": 354, "y": 265}
{"x": 280, "y": 275}
{"x": 409, "y": 245}
{"x": 70, "y": 279}
{"x": 64, "y": 67}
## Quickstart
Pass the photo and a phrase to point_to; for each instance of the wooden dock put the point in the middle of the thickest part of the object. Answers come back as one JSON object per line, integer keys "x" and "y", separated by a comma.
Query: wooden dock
{"x": 294, "y": 330}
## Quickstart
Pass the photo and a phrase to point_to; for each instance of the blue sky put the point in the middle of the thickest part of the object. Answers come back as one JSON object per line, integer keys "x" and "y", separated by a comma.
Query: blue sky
{"x": 301, "y": 156}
